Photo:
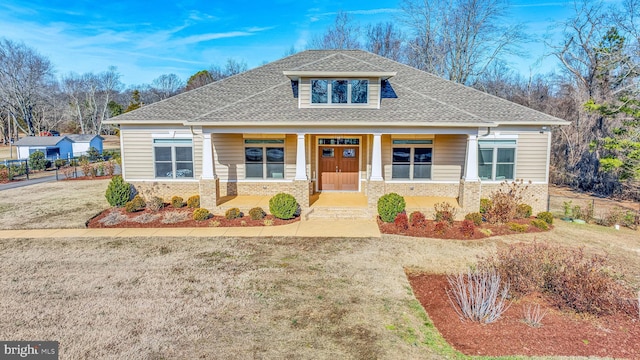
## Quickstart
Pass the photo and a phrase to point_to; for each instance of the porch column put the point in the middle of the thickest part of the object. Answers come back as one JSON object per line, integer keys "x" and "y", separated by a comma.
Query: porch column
{"x": 208, "y": 170}
{"x": 376, "y": 161}
{"x": 301, "y": 165}
{"x": 471, "y": 164}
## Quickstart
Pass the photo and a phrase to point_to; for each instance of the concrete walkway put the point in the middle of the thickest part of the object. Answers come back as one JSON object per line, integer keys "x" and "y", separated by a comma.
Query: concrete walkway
{"x": 310, "y": 228}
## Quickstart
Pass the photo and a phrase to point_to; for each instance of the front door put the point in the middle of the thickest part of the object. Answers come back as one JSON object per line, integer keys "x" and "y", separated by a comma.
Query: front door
{"x": 338, "y": 168}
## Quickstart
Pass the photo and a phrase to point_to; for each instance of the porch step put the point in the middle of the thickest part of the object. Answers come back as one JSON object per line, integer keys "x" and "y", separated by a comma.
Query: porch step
{"x": 338, "y": 213}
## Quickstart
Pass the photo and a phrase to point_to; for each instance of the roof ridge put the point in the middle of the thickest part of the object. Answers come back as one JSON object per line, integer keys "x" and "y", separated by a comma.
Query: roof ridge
{"x": 239, "y": 100}
{"x": 315, "y": 61}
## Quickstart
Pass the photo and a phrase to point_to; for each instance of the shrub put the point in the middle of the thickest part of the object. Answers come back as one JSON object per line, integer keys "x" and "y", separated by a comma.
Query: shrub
{"x": 37, "y": 160}
{"x": 193, "y": 202}
{"x": 476, "y": 217}
{"x": 389, "y": 206}
{"x": 60, "y": 163}
{"x": 87, "y": 168}
{"x": 155, "y": 204}
{"x": 467, "y": 228}
{"x": 478, "y": 296}
{"x": 118, "y": 191}
{"x": 94, "y": 154}
{"x": 540, "y": 224}
{"x": 523, "y": 211}
{"x": 572, "y": 279}
{"x": 445, "y": 212}
{"x": 441, "y": 227}
{"x": 109, "y": 168}
{"x": 67, "y": 171}
{"x": 233, "y": 213}
{"x": 630, "y": 220}
{"x": 418, "y": 220}
{"x": 401, "y": 221}
{"x": 177, "y": 202}
{"x": 201, "y": 214}
{"x": 504, "y": 202}
{"x": 283, "y": 206}
{"x": 546, "y": 216}
{"x": 267, "y": 222}
{"x": 136, "y": 204}
{"x": 517, "y": 227}
{"x": 484, "y": 205}
{"x": 257, "y": 213}
{"x": 4, "y": 175}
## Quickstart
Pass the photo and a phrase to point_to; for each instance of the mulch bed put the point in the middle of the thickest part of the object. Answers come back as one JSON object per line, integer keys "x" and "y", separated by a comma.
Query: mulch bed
{"x": 561, "y": 333}
{"x": 216, "y": 220}
{"x": 454, "y": 231}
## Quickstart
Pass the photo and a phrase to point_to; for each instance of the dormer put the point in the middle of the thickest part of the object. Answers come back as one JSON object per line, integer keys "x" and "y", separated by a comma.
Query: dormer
{"x": 338, "y": 89}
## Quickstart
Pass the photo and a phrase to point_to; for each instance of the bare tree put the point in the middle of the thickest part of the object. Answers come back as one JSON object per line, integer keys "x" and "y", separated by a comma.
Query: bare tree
{"x": 165, "y": 86}
{"x": 458, "y": 39}
{"x": 342, "y": 35}
{"x": 24, "y": 75}
{"x": 386, "y": 40}
{"x": 232, "y": 67}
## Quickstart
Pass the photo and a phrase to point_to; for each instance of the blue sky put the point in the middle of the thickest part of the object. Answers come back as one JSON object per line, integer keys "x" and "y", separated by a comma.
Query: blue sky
{"x": 145, "y": 39}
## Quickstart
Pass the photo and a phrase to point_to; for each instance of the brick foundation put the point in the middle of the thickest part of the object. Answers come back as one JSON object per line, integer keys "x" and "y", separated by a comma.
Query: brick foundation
{"x": 423, "y": 189}
{"x": 166, "y": 190}
{"x": 209, "y": 193}
{"x": 469, "y": 198}
{"x": 535, "y": 195}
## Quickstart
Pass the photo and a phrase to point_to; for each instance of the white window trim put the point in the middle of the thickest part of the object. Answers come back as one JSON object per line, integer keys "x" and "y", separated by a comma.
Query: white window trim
{"x": 173, "y": 145}
{"x": 494, "y": 159}
{"x": 329, "y": 92}
{"x": 412, "y": 148}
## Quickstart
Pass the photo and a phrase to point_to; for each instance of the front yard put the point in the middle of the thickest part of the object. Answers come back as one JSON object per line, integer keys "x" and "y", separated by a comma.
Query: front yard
{"x": 185, "y": 297}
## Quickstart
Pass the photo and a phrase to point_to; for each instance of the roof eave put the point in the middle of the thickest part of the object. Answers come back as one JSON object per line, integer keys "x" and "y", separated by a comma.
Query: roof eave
{"x": 296, "y": 75}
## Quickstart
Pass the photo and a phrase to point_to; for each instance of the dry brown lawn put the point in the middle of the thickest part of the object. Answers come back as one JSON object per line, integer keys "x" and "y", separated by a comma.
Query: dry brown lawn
{"x": 235, "y": 298}
{"x": 52, "y": 205}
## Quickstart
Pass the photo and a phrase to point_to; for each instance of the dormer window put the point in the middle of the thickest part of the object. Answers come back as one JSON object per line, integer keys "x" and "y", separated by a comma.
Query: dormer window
{"x": 339, "y": 91}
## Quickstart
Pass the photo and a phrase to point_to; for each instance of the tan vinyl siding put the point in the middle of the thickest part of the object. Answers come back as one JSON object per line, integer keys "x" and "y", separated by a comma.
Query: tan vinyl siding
{"x": 304, "y": 95}
{"x": 197, "y": 153}
{"x": 385, "y": 141}
{"x": 138, "y": 154}
{"x": 449, "y": 153}
{"x": 531, "y": 156}
{"x": 228, "y": 156}
{"x": 291, "y": 143}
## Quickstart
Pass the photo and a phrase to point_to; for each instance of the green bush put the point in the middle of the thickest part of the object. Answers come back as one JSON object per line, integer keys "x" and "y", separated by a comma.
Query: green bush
{"x": 118, "y": 191}
{"x": 389, "y": 206}
{"x": 177, "y": 202}
{"x": 546, "y": 216}
{"x": 517, "y": 227}
{"x": 257, "y": 213}
{"x": 201, "y": 214}
{"x": 476, "y": 217}
{"x": 540, "y": 224}
{"x": 283, "y": 206}
{"x": 523, "y": 211}
{"x": 60, "y": 163}
{"x": 233, "y": 213}
{"x": 136, "y": 204}
{"x": 155, "y": 204}
{"x": 485, "y": 204}
{"x": 37, "y": 161}
{"x": 193, "y": 202}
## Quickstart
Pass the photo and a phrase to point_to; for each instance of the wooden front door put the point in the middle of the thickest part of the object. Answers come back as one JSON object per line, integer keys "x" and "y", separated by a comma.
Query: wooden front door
{"x": 339, "y": 168}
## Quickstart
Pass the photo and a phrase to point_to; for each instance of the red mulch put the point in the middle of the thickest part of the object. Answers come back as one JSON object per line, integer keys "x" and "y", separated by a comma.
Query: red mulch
{"x": 561, "y": 334}
{"x": 244, "y": 221}
{"x": 454, "y": 231}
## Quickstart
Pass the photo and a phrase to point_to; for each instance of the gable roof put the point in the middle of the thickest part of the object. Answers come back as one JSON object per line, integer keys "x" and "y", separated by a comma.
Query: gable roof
{"x": 264, "y": 96}
{"x": 83, "y": 137}
{"x": 41, "y": 140}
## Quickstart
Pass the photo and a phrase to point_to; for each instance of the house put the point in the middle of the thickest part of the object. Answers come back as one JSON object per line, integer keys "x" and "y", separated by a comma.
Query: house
{"x": 82, "y": 143}
{"x": 53, "y": 147}
{"x": 335, "y": 121}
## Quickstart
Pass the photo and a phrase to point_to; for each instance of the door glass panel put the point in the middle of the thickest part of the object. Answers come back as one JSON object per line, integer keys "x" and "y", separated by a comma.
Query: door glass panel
{"x": 327, "y": 153}
{"x": 348, "y": 153}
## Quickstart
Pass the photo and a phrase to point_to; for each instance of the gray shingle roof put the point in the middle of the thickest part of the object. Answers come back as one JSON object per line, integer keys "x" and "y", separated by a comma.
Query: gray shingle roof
{"x": 40, "y": 140}
{"x": 82, "y": 137}
{"x": 263, "y": 95}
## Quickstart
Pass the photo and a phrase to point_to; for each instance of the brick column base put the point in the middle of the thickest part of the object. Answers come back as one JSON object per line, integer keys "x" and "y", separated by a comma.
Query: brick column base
{"x": 209, "y": 193}
{"x": 469, "y": 197}
{"x": 375, "y": 189}
{"x": 301, "y": 191}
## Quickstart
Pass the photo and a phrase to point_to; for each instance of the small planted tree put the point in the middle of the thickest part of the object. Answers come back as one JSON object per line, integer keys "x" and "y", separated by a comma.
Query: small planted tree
{"x": 118, "y": 192}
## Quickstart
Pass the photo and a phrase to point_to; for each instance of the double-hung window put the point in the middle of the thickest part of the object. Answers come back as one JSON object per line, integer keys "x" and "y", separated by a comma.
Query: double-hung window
{"x": 411, "y": 159}
{"x": 496, "y": 159}
{"x": 264, "y": 159}
{"x": 339, "y": 91}
{"x": 173, "y": 158}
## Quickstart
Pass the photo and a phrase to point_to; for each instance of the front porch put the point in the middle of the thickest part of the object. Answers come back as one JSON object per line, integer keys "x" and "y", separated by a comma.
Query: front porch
{"x": 336, "y": 205}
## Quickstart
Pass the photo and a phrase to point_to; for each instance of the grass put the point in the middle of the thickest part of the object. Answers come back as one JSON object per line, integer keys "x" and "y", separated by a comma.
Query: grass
{"x": 186, "y": 297}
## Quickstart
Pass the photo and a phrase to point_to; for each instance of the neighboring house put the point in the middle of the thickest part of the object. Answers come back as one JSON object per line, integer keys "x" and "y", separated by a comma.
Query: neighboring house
{"x": 335, "y": 120}
{"x": 53, "y": 147}
{"x": 82, "y": 143}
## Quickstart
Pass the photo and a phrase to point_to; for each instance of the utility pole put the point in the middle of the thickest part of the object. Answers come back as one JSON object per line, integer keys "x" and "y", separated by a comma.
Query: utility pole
{"x": 10, "y": 138}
